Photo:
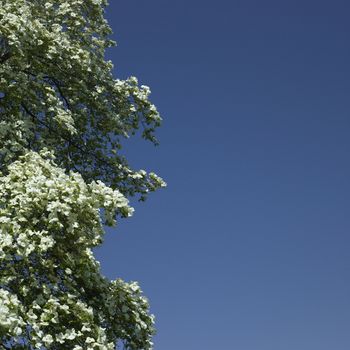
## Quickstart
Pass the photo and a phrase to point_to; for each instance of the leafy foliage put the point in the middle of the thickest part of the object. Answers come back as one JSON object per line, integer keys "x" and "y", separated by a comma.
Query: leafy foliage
{"x": 62, "y": 120}
{"x": 59, "y": 92}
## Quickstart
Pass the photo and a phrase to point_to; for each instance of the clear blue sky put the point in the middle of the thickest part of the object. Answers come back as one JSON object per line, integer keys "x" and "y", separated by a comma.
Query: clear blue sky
{"x": 248, "y": 247}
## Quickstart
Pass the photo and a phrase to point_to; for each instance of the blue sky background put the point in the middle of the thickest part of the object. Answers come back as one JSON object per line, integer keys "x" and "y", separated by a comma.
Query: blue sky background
{"x": 248, "y": 247}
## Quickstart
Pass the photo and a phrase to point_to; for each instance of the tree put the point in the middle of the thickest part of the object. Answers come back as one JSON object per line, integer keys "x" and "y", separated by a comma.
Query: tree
{"x": 63, "y": 119}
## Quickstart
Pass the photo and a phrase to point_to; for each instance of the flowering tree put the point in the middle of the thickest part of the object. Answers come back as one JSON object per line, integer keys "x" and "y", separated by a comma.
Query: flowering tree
{"x": 62, "y": 177}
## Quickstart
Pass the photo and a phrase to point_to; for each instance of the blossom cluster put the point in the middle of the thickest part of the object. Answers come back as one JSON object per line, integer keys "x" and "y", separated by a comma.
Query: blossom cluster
{"x": 59, "y": 92}
{"x": 64, "y": 120}
{"x": 50, "y": 282}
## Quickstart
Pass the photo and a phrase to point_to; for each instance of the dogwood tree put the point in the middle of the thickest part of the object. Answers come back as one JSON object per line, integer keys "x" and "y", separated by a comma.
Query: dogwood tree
{"x": 63, "y": 118}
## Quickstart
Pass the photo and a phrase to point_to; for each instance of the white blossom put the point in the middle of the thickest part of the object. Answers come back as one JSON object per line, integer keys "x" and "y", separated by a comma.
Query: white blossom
{"x": 63, "y": 177}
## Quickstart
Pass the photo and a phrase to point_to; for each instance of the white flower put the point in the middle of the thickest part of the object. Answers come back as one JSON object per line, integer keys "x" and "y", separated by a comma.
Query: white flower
{"x": 48, "y": 339}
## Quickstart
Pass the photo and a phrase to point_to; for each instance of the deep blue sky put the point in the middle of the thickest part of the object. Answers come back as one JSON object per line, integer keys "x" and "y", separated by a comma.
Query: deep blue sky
{"x": 248, "y": 247}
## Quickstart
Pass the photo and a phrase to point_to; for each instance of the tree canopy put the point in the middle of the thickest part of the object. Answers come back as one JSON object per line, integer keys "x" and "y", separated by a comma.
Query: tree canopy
{"x": 63, "y": 118}
{"x": 58, "y": 92}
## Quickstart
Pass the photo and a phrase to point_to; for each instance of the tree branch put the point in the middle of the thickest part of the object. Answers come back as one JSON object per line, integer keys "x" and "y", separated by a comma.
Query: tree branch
{"x": 67, "y": 139}
{"x": 5, "y": 57}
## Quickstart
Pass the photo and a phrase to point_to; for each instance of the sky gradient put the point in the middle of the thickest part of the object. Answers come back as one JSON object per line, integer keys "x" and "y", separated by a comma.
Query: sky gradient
{"x": 248, "y": 247}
